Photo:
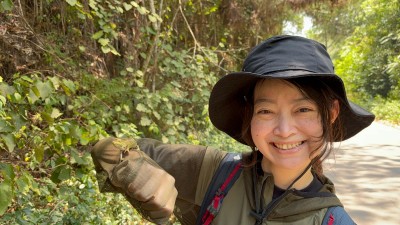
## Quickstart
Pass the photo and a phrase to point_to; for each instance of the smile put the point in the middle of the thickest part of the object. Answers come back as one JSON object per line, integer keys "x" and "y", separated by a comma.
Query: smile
{"x": 288, "y": 146}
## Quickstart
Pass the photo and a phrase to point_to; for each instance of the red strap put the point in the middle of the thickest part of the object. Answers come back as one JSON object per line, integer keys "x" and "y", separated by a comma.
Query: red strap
{"x": 331, "y": 220}
{"x": 228, "y": 180}
{"x": 215, "y": 205}
{"x": 210, "y": 218}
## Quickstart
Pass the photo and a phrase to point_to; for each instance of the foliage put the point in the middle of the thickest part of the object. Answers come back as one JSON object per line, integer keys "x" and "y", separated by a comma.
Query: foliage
{"x": 369, "y": 59}
{"x": 74, "y": 201}
{"x": 49, "y": 121}
{"x": 6, "y": 5}
{"x": 363, "y": 36}
{"x": 386, "y": 110}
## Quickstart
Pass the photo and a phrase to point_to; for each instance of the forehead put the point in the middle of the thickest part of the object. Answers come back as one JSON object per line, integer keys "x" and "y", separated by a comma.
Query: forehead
{"x": 276, "y": 87}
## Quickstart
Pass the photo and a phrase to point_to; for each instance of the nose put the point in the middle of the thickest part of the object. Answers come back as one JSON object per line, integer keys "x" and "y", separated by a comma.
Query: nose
{"x": 285, "y": 126}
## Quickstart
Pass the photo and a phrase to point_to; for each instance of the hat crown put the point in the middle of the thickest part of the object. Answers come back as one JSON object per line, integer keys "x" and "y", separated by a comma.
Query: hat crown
{"x": 282, "y": 53}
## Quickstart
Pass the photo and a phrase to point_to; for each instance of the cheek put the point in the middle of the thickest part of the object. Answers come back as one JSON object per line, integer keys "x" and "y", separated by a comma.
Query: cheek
{"x": 255, "y": 130}
{"x": 312, "y": 127}
{"x": 259, "y": 129}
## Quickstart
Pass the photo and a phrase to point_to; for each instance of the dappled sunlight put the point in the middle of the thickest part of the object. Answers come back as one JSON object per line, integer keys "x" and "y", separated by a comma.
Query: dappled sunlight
{"x": 367, "y": 180}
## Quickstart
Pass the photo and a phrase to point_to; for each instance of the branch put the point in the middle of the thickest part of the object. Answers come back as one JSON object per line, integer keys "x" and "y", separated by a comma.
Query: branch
{"x": 190, "y": 29}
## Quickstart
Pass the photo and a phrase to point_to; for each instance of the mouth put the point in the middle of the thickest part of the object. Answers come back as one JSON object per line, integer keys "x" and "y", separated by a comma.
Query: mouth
{"x": 287, "y": 146}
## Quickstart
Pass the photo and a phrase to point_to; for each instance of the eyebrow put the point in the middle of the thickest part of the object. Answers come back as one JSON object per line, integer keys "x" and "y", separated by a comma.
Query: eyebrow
{"x": 265, "y": 100}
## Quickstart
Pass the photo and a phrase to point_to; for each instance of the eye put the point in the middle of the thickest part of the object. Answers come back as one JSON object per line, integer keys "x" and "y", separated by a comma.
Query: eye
{"x": 263, "y": 111}
{"x": 305, "y": 110}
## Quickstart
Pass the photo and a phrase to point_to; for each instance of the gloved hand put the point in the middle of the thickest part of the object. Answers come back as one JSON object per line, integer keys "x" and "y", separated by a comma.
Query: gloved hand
{"x": 149, "y": 188}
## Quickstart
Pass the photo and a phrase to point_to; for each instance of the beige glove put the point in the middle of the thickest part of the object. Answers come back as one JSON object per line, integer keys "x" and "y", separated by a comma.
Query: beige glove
{"x": 149, "y": 188}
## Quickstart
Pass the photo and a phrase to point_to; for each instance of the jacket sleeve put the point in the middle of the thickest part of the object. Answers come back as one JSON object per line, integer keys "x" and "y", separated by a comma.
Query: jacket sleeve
{"x": 188, "y": 164}
{"x": 192, "y": 167}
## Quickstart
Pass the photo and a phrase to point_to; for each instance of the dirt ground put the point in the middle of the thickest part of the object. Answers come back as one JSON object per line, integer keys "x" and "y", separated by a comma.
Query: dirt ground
{"x": 366, "y": 173}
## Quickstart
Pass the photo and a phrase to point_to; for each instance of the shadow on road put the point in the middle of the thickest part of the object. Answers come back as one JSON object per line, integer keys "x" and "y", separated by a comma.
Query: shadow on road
{"x": 367, "y": 180}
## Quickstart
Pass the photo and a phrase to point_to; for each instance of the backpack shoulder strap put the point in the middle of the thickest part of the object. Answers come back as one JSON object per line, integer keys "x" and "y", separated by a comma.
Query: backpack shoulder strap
{"x": 227, "y": 173}
{"x": 336, "y": 215}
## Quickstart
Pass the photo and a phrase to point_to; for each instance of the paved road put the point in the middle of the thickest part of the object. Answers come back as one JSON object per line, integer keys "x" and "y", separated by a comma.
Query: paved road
{"x": 366, "y": 173}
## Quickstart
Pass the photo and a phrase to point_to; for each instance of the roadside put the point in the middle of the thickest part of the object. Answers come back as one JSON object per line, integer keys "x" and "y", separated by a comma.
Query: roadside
{"x": 366, "y": 173}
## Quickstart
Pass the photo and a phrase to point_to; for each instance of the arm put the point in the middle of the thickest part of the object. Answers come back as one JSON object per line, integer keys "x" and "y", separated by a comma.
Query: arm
{"x": 131, "y": 172}
{"x": 184, "y": 162}
{"x": 161, "y": 162}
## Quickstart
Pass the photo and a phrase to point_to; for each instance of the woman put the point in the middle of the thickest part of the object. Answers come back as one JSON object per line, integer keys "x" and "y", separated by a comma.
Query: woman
{"x": 287, "y": 105}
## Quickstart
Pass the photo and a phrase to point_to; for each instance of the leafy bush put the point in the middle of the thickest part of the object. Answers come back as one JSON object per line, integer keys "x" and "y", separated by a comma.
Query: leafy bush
{"x": 49, "y": 123}
{"x": 387, "y": 110}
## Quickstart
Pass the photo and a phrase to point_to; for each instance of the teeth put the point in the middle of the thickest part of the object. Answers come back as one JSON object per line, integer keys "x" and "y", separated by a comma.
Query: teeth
{"x": 288, "y": 146}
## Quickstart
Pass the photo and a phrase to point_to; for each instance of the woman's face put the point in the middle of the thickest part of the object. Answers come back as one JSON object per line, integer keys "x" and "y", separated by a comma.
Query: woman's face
{"x": 286, "y": 126}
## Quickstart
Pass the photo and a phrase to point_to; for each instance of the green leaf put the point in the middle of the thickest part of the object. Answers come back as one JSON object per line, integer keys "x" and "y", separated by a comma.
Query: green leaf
{"x": 75, "y": 158}
{"x": 7, "y": 170}
{"x": 114, "y": 51}
{"x": 9, "y": 140}
{"x": 17, "y": 97}
{"x": 55, "y": 81}
{"x": 157, "y": 115}
{"x": 39, "y": 153}
{"x": 65, "y": 173}
{"x": 143, "y": 55}
{"x": 123, "y": 73}
{"x": 6, "y": 195}
{"x": 105, "y": 49}
{"x": 61, "y": 173}
{"x": 84, "y": 138}
{"x": 144, "y": 121}
{"x": 5, "y": 126}
{"x": 26, "y": 78}
{"x": 71, "y": 2}
{"x": 152, "y": 18}
{"x": 127, "y": 6}
{"x": 69, "y": 87}
{"x": 33, "y": 95}
{"x": 46, "y": 116}
{"x": 23, "y": 183}
{"x": 97, "y": 35}
{"x": 142, "y": 10}
{"x": 3, "y": 100}
{"x": 134, "y": 4}
{"x": 139, "y": 73}
{"x": 141, "y": 107}
{"x": 120, "y": 10}
{"x": 6, "y": 5}
{"x": 55, "y": 113}
{"x": 104, "y": 41}
{"x": 6, "y": 90}
{"x": 44, "y": 88}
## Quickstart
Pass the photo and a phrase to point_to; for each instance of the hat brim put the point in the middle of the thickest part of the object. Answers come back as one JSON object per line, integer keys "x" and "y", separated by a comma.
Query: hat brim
{"x": 227, "y": 102}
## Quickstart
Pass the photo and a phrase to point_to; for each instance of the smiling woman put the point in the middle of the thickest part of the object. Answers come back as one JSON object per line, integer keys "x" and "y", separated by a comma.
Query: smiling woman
{"x": 288, "y": 106}
{"x": 286, "y": 128}
{"x": 292, "y": 116}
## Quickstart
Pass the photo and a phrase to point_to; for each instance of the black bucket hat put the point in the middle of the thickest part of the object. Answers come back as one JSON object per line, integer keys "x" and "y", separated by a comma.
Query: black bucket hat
{"x": 281, "y": 57}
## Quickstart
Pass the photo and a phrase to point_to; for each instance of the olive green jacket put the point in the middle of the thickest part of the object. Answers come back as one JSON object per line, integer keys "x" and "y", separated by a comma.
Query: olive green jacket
{"x": 193, "y": 168}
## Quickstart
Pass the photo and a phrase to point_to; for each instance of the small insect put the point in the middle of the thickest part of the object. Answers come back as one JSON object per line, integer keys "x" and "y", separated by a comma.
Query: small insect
{"x": 125, "y": 145}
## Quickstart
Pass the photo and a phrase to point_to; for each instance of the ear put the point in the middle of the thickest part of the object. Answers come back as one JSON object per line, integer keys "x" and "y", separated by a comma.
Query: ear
{"x": 335, "y": 109}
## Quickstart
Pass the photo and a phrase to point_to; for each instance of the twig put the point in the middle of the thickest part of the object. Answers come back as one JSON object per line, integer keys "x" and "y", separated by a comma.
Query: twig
{"x": 190, "y": 29}
{"x": 40, "y": 47}
{"x": 196, "y": 43}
